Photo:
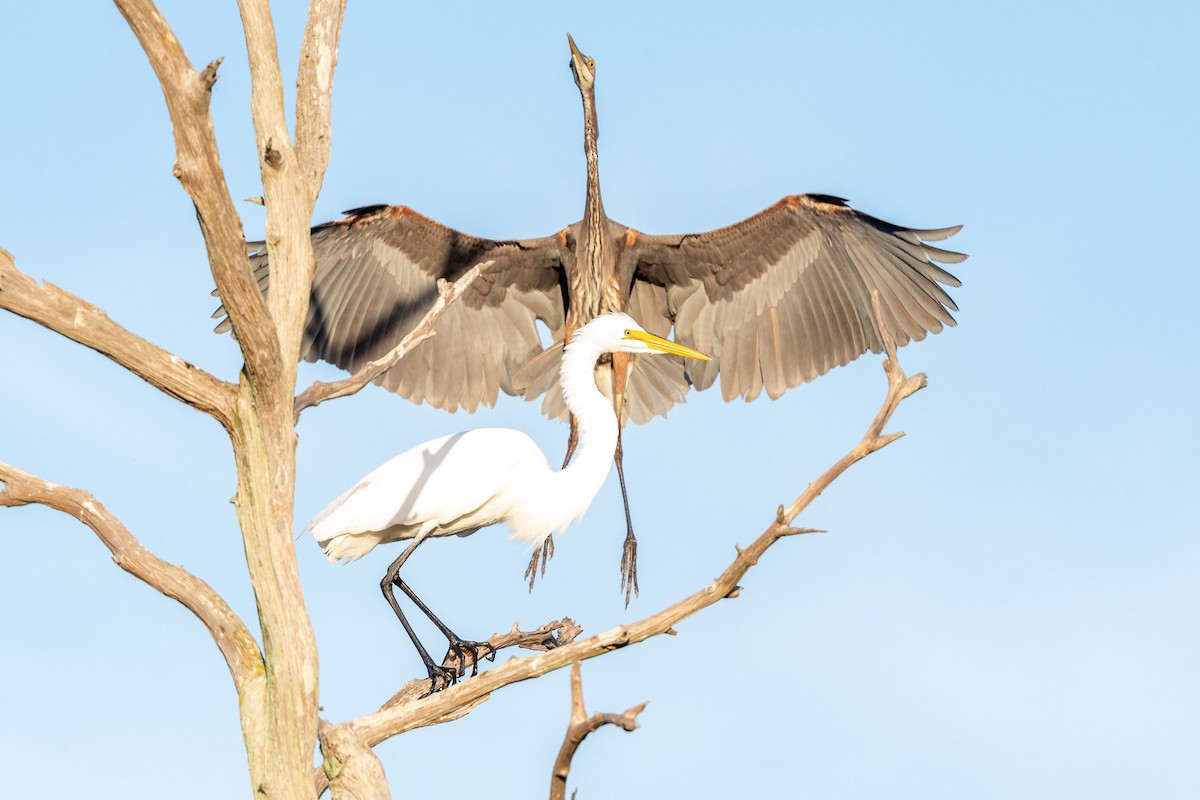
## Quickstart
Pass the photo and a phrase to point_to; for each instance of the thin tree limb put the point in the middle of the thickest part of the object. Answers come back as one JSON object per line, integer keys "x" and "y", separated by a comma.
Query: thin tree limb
{"x": 320, "y": 391}
{"x": 82, "y": 322}
{"x": 230, "y": 634}
{"x": 578, "y": 729}
{"x": 393, "y": 720}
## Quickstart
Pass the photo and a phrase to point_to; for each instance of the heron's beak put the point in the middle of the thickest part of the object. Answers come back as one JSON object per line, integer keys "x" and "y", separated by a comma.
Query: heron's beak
{"x": 666, "y": 346}
{"x": 574, "y": 50}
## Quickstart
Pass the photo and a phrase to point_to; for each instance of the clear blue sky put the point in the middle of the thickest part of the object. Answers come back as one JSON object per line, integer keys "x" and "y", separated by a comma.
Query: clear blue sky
{"x": 1005, "y": 603}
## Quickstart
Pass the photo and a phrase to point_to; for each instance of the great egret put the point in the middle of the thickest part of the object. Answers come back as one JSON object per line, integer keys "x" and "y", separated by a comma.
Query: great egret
{"x": 777, "y": 299}
{"x": 455, "y": 485}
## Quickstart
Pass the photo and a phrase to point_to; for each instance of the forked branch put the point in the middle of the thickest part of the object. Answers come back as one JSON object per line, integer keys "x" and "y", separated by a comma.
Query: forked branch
{"x": 320, "y": 391}
{"x": 340, "y": 742}
{"x": 198, "y": 167}
{"x": 396, "y": 719}
{"x": 581, "y": 725}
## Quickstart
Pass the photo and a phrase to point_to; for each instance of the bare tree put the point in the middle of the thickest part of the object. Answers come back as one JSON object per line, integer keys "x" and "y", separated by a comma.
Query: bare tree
{"x": 275, "y": 675}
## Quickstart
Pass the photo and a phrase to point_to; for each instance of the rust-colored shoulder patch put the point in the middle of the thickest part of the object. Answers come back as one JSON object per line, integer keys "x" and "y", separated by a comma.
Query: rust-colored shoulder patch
{"x": 399, "y": 212}
{"x": 631, "y": 236}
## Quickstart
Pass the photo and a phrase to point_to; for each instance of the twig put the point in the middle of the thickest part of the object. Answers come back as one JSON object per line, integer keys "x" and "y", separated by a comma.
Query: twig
{"x": 581, "y": 725}
{"x": 396, "y": 719}
{"x": 320, "y": 391}
{"x": 231, "y": 635}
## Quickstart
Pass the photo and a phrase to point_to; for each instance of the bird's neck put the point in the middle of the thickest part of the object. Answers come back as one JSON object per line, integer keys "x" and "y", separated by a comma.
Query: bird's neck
{"x": 593, "y": 208}
{"x": 576, "y": 485}
{"x": 592, "y": 255}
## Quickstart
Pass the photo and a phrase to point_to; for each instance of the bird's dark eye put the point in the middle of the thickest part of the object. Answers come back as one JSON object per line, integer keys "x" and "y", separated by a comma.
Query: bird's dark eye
{"x": 591, "y": 64}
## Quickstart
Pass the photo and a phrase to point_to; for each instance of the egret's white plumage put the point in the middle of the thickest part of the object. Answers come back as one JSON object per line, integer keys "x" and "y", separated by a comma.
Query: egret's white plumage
{"x": 458, "y": 484}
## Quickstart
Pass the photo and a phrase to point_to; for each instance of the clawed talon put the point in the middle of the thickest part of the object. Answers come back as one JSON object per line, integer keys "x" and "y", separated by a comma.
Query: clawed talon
{"x": 460, "y": 647}
{"x": 448, "y": 677}
{"x": 545, "y": 551}
{"x": 629, "y": 582}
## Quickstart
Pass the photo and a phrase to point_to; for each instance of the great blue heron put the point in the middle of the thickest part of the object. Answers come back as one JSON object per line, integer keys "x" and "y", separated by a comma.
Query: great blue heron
{"x": 778, "y": 299}
{"x": 455, "y": 485}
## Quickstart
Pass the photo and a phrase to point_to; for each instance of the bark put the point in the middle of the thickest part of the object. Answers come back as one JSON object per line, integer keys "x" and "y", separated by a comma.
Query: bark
{"x": 280, "y": 725}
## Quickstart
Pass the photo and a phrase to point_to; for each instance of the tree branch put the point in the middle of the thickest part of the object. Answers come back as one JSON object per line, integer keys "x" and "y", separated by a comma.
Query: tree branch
{"x": 547, "y": 637}
{"x": 320, "y": 391}
{"x": 314, "y": 88}
{"x": 198, "y": 168}
{"x": 82, "y": 322}
{"x": 231, "y": 635}
{"x": 578, "y": 729}
{"x": 396, "y": 719}
{"x": 351, "y": 769}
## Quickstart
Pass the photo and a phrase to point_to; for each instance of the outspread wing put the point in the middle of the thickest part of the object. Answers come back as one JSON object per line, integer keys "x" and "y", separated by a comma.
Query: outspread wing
{"x": 784, "y": 296}
{"x": 376, "y": 276}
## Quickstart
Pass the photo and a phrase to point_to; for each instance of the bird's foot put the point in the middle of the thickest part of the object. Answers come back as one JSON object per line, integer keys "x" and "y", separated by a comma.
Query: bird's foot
{"x": 545, "y": 551}
{"x": 629, "y": 582}
{"x": 440, "y": 677}
{"x": 458, "y": 652}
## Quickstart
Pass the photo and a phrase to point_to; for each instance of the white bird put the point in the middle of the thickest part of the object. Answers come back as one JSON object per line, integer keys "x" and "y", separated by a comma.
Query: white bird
{"x": 460, "y": 483}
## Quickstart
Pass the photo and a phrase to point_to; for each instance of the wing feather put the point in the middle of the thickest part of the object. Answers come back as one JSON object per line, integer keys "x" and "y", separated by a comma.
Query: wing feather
{"x": 376, "y": 276}
{"x": 784, "y": 296}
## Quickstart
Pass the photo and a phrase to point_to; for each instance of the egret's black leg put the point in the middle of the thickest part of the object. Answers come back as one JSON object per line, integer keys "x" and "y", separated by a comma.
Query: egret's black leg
{"x": 629, "y": 582}
{"x": 391, "y": 578}
{"x": 457, "y": 643}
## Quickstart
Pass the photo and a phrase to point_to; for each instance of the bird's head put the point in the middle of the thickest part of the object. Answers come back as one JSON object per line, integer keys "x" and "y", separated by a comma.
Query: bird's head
{"x": 618, "y": 333}
{"x": 582, "y": 67}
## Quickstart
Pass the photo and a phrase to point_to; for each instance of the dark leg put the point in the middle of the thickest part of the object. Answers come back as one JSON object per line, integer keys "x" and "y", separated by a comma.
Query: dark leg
{"x": 572, "y": 441}
{"x": 457, "y": 644}
{"x": 629, "y": 581}
{"x": 621, "y": 364}
{"x": 392, "y": 578}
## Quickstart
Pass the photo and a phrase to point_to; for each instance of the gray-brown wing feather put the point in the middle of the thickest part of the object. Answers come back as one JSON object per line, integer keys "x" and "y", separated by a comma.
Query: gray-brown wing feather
{"x": 376, "y": 276}
{"x": 784, "y": 296}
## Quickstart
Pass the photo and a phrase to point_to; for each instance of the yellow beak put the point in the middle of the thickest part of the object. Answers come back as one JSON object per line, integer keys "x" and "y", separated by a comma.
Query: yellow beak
{"x": 666, "y": 346}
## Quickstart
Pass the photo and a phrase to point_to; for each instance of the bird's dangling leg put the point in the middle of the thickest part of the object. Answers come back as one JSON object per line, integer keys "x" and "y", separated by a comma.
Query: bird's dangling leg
{"x": 621, "y": 364}
{"x": 392, "y": 578}
{"x": 629, "y": 583}
{"x": 458, "y": 645}
{"x": 572, "y": 441}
